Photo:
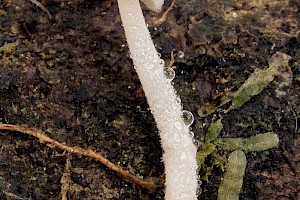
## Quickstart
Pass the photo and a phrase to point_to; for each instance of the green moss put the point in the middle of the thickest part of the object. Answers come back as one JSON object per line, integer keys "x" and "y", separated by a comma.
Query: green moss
{"x": 8, "y": 47}
{"x": 235, "y": 168}
{"x": 232, "y": 182}
{"x": 213, "y": 131}
{"x": 259, "y": 142}
{"x": 260, "y": 79}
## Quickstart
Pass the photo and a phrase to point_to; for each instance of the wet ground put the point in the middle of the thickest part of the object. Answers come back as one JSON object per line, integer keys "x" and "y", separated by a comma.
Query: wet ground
{"x": 70, "y": 75}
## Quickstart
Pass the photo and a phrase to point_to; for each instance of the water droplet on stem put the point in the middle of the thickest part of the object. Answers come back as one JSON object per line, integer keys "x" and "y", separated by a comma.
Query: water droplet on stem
{"x": 169, "y": 73}
{"x": 161, "y": 62}
{"x": 192, "y": 134}
{"x": 187, "y": 117}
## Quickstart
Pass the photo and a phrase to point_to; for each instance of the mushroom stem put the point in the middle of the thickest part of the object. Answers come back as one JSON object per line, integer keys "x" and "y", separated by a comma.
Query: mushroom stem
{"x": 179, "y": 150}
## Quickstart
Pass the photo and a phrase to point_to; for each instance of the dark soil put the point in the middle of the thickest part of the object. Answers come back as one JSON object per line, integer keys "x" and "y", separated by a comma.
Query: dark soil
{"x": 71, "y": 76}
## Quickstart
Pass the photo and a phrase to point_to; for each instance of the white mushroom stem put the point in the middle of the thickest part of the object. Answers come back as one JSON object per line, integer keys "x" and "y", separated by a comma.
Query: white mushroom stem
{"x": 153, "y": 4}
{"x": 179, "y": 150}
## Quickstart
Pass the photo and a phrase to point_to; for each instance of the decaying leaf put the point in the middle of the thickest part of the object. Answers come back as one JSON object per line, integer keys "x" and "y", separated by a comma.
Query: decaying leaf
{"x": 233, "y": 177}
{"x": 207, "y": 109}
{"x": 259, "y": 142}
{"x": 260, "y": 79}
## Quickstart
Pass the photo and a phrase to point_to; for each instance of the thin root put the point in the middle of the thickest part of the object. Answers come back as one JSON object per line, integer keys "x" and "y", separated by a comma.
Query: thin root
{"x": 150, "y": 185}
{"x": 164, "y": 16}
{"x": 172, "y": 60}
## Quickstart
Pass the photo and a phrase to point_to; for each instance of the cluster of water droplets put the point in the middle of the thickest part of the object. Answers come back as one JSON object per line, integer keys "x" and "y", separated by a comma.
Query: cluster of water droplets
{"x": 187, "y": 116}
{"x": 199, "y": 182}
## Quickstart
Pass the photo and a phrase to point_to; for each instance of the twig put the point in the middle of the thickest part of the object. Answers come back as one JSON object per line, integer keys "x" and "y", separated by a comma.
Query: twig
{"x": 295, "y": 115}
{"x": 296, "y": 120}
{"x": 38, "y": 4}
{"x": 13, "y": 196}
{"x": 66, "y": 179}
{"x": 150, "y": 185}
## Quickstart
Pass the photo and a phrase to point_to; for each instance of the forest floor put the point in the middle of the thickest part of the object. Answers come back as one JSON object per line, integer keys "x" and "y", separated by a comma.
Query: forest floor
{"x": 68, "y": 73}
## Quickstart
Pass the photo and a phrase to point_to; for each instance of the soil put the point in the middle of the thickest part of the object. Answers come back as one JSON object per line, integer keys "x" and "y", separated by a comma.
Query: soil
{"x": 71, "y": 76}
